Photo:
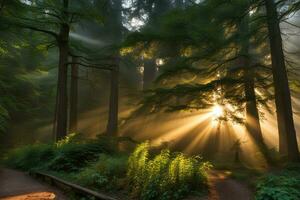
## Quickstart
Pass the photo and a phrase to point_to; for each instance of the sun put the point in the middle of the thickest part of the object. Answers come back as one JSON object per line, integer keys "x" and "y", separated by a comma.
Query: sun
{"x": 217, "y": 111}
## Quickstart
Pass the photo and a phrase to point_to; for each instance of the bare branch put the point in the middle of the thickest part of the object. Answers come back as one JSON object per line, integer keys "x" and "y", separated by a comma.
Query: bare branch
{"x": 26, "y": 26}
{"x": 91, "y": 66}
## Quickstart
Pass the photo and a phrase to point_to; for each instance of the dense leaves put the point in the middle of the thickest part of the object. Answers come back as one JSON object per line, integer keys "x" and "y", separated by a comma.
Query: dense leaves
{"x": 283, "y": 185}
{"x": 166, "y": 175}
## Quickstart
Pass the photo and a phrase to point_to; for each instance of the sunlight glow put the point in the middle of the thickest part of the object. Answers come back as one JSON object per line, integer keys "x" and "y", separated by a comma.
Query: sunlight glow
{"x": 86, "y": 39}
{"x": 160, "y": 62}
{"x": 217, "y": 111}
{"x": 203, "y": 133}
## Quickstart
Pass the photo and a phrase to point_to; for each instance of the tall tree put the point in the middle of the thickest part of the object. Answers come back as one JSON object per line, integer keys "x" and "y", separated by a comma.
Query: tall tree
{"x": 154, "y": 10}
{"x": 115, "y": 27}
{"x": 252, "y": 114}
{"x": 287, "y": 134}
{"x": 62, "y": 92}
{"x": 225, "y": 52}
{"x": 59, "y": 17}
{"x": 73, "y": 111}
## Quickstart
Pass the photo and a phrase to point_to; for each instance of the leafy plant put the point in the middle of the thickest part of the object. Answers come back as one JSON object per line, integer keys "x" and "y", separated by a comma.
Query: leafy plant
{"x": 104, "y": 173}
{"x": 282, "y": 186}
{"x": 30, "y": 157}
{"x": 166, "y": 176}
{"x": 73, "y": 156}
{"x": 70, "y": 138}
{"x": 67, "y": 155}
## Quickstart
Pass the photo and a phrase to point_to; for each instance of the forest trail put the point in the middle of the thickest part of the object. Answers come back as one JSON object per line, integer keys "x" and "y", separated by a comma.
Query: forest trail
{"x": 222, "y": 187}
{"x": 15, "y": 185}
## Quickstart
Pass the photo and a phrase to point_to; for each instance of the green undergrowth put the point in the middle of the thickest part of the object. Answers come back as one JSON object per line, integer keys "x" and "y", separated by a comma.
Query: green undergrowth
{"x": 68, "y": 155}
{"x": 281, "y": 184}
{"x": 165, "y": 175}
{"x": 100, "y": 165}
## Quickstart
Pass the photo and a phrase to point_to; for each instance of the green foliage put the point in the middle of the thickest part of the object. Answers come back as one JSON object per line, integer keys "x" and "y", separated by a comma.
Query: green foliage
{"x": 72, "y": 157}
{"x": 20, "y": 63}
{"x": 279, "y": 186}
{"x": 72, "y": 154}
{"x": 30, "y": 157}
{"x": 104, "y": 173}
{"x": 166, "y": 176}
{"x": 68, "y": 155}
{"x": 201, "y": 46}
{"x": 70, "y": 138}
{"x": 4, "y": 116}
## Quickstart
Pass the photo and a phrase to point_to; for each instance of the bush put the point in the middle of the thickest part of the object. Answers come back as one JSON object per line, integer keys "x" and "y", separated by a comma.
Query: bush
{"x": 68, "y": 155}
{"x": 30, "y": 157}
{"x": 70, "y": 138}
{"x": 74, "y": 156}
{"x": 281, "y": 186}
{"x": 166, "y": 176}
{"x": 104, "y": 173}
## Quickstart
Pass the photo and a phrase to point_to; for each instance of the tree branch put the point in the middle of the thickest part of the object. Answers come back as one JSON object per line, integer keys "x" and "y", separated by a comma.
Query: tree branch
{"x": 91, "y": 66}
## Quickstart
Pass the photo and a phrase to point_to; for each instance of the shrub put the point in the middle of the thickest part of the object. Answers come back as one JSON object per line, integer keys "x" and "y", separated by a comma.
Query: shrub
{"x": 281, "y": 186}
{"x": 30, "y": 157}
{"x": 70, "y": 138}
{"x": 73, "y": 153}
{"x": 68, "y": 155}
{"x": 104, "y": 173}
{"x": 166, "y": 176}
{"x": 74, "y": 156}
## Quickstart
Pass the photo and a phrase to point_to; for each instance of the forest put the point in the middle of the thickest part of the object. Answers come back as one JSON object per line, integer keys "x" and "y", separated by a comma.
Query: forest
{"x": 150, "y": 99}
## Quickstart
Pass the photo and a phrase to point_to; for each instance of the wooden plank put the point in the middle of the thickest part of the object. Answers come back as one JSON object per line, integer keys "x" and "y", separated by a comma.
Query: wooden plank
{"x": 75, "y": 187}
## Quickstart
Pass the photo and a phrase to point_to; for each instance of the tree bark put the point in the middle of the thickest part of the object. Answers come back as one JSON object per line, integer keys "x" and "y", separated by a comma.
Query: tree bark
{"x": 62, "y": 100}
{"x": 112, "y": 124}
{"x": 73, "y": 122}
{"x": 252, "y": 114}
{"x": 287, "y": 134}
{"x": 116, "y": 30}
{"x": 149, "y": 73}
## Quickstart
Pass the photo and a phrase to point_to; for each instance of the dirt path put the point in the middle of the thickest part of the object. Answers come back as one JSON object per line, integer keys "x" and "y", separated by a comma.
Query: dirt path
{"x": 222, "y": 187}
{"x": 15, "y": 185}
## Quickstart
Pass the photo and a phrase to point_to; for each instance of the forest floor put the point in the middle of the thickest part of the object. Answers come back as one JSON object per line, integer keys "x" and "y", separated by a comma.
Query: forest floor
{"x": 16, "y": 185}
{"x": 222, "y": 187}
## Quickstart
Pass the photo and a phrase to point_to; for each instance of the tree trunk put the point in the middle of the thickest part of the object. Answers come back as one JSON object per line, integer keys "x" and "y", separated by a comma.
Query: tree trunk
{"x": 287, "y": 134}
{"x": 252, "y": 114}
{"x": 61, "y": 128}
{"x": 112, "y": 124}
{"x": 62, "y": 100}
{"x": 149, "y": 73}
{"x": 116, "y": 27}
{"x": 73, "y": 123}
